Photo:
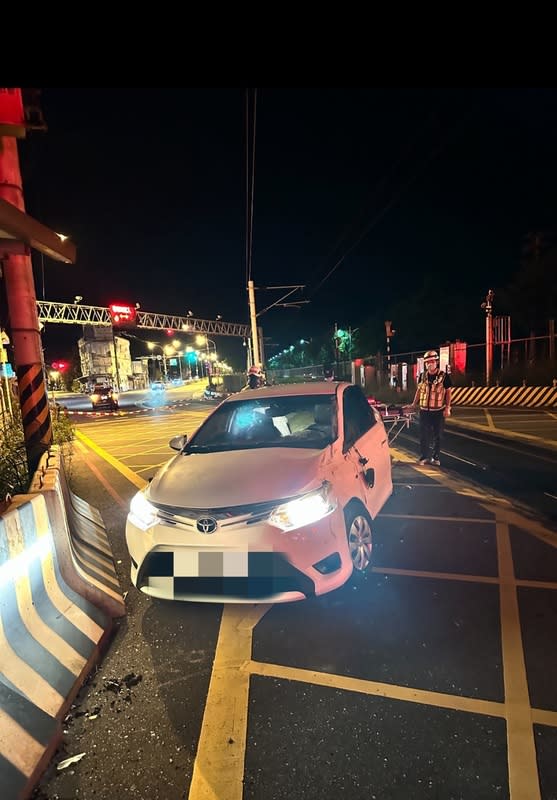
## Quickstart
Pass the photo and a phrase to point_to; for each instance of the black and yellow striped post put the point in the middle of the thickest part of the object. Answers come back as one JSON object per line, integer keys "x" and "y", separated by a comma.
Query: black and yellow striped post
{"x": 24, "y": 322}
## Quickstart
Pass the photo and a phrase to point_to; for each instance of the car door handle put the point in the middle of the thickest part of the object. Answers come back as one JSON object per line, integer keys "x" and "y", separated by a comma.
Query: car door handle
{"x": 383, "y": 442}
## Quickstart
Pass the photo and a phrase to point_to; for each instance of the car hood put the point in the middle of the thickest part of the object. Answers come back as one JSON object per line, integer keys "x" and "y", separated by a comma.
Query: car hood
{"x": 234, "y": 478}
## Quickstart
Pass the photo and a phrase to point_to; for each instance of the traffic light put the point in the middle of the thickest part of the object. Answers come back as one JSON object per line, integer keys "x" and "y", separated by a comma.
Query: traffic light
{"x": 60, "y": 366}
{"x": 123, "y": 316}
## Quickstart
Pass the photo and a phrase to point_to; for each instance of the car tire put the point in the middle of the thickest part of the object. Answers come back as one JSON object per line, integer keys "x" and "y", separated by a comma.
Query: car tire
{"x": 359, "y": 531}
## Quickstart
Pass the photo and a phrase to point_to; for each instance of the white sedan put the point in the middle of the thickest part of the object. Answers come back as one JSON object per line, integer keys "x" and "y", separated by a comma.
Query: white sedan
{"x": 272, "y": 499}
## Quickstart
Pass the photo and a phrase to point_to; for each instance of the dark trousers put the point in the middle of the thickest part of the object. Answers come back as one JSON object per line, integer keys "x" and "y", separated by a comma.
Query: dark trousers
{"x": 431, "y": 428}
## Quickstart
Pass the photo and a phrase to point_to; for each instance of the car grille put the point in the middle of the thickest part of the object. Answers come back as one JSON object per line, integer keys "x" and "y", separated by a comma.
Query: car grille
{"x": 233, "y": 516}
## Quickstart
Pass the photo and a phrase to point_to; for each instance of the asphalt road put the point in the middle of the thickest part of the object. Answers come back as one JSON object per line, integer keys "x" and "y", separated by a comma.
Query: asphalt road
{"x": 430, "y": 677}
{"x": 511, "y": 451}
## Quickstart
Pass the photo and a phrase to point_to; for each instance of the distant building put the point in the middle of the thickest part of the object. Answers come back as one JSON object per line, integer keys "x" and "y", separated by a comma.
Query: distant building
{"x": 105, "y": 357}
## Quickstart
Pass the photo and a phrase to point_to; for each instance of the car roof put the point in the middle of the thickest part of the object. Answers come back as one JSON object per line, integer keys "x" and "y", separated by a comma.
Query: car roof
{"x": 289, "y": 390}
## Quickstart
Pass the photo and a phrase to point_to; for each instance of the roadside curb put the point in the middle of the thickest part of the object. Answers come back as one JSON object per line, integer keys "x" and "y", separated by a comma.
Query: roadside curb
{"x": 51, "y": 638}
{"x": 83, "y": 550}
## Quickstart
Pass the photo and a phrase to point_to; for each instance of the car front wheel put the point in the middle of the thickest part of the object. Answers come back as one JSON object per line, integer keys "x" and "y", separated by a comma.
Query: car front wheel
{"x": 360, "y": 536}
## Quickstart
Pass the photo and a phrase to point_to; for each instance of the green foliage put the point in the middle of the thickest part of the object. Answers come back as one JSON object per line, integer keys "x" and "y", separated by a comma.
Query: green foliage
{"x": 14, "y": 470}
{"x": 14, "y": 475}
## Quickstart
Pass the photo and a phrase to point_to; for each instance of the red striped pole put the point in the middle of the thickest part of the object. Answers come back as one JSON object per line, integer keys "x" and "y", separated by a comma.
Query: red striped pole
{"x": 23, "y": 319}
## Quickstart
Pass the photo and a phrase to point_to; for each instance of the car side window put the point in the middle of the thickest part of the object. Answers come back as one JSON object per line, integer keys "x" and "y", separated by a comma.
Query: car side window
{"x": 358, "y": 416}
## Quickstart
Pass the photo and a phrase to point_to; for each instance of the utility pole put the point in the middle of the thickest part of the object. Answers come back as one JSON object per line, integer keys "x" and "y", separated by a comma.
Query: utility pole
{"x": 116, "y": 370}
{"x": 390, "y": 332}
{"x": 20, "y": 291}
{"x": 253, "y": 321}
{"x": 487, "y": 305}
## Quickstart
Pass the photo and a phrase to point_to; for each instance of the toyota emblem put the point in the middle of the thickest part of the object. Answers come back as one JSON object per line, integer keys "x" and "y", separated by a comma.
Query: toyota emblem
{"x": 206, "y": 525}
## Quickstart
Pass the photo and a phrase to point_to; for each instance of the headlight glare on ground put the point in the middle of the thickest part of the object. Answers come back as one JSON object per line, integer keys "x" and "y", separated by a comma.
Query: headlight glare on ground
{"x": 142, "y": 513}
{"x": 304, "y": 510}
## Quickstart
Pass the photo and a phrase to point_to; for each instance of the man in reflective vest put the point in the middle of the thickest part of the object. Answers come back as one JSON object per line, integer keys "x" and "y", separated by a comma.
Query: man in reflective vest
{"x": 433, "y": 395}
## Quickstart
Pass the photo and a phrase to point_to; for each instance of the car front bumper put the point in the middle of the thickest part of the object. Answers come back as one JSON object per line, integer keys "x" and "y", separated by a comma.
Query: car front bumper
{"x": 251, "y": 564}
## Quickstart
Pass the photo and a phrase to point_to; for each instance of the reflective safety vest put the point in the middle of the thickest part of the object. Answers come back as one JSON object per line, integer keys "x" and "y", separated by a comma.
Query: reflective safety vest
{"x": 432, "y": 395}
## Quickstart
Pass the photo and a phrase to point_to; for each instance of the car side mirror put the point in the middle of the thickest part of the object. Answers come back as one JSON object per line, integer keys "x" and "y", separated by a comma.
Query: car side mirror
{"x": 178, "y": 442}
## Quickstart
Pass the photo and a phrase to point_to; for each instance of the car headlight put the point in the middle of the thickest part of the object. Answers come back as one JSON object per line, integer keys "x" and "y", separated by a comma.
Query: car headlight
{"x": 142, "y": 513}
{"x": 304, "y": 510}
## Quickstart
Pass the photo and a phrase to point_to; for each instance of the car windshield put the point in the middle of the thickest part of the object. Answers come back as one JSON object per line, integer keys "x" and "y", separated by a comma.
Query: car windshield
{"x": 307, "y": 421}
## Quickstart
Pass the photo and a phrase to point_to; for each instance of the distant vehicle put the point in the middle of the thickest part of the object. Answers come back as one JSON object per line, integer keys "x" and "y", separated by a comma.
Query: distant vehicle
{"x": 104, "y": 397}
{"x": 158, "y": 386}
{"x": 177, "y": 381}
{"x": 212, "y": 394}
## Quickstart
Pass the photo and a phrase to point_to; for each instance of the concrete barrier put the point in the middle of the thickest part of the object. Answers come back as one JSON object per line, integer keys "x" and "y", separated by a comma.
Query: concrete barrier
{"x": 82, "y": 545}
{"x": 50, "y": 638}
{"x": 526, "y": 396}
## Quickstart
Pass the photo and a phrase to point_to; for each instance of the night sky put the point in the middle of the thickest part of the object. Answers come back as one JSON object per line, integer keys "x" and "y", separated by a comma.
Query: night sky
{"x": 365, "y": 196}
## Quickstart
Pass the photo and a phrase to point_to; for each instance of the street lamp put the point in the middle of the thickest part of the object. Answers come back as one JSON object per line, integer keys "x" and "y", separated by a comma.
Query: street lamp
{"x": 201, "y": 339}
{"x": 177, "y": 344}
{"x": 151, "y": 346}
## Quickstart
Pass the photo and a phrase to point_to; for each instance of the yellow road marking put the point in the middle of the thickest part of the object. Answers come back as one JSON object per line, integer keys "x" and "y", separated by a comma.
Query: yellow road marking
{"x": 527, "y": 437}
{"x": 531, "y": 526}
{"x": 107, "y": 485}
{"x": 489, "y": 418}
{"x": 114, "y": 462}
{"x": 521, "y": 748}
{"x": 219, "y": 765}
{"x": 442, "y": 576}
{"x": 391, "y": 690}
{"x": 218, "y": 770}
{"x": 437, "y": 518}
{"x": 457, "y": 576}
{"x": 543, "y": 717}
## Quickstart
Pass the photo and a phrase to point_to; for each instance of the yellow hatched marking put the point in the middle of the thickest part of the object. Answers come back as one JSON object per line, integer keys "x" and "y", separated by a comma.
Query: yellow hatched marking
{"x": 489, "y": 418}
{"x": 456, "y": 576}
{"x": 219, "y": 765}
{"x": 114, "y": 462}
{"x": 218, "y": 771}
{"x": 70, "y": 611}
{"x": 26, "y": 680}
{"x": 521, "y": 748}
{"x": 531, "y": 526}
{"x": 474, "y": 520}
{"x": 28, "y": 752}
{"x": 543, "y": 717}
{"x": 392, "y": 691}
{"x": 442, "y": 576}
